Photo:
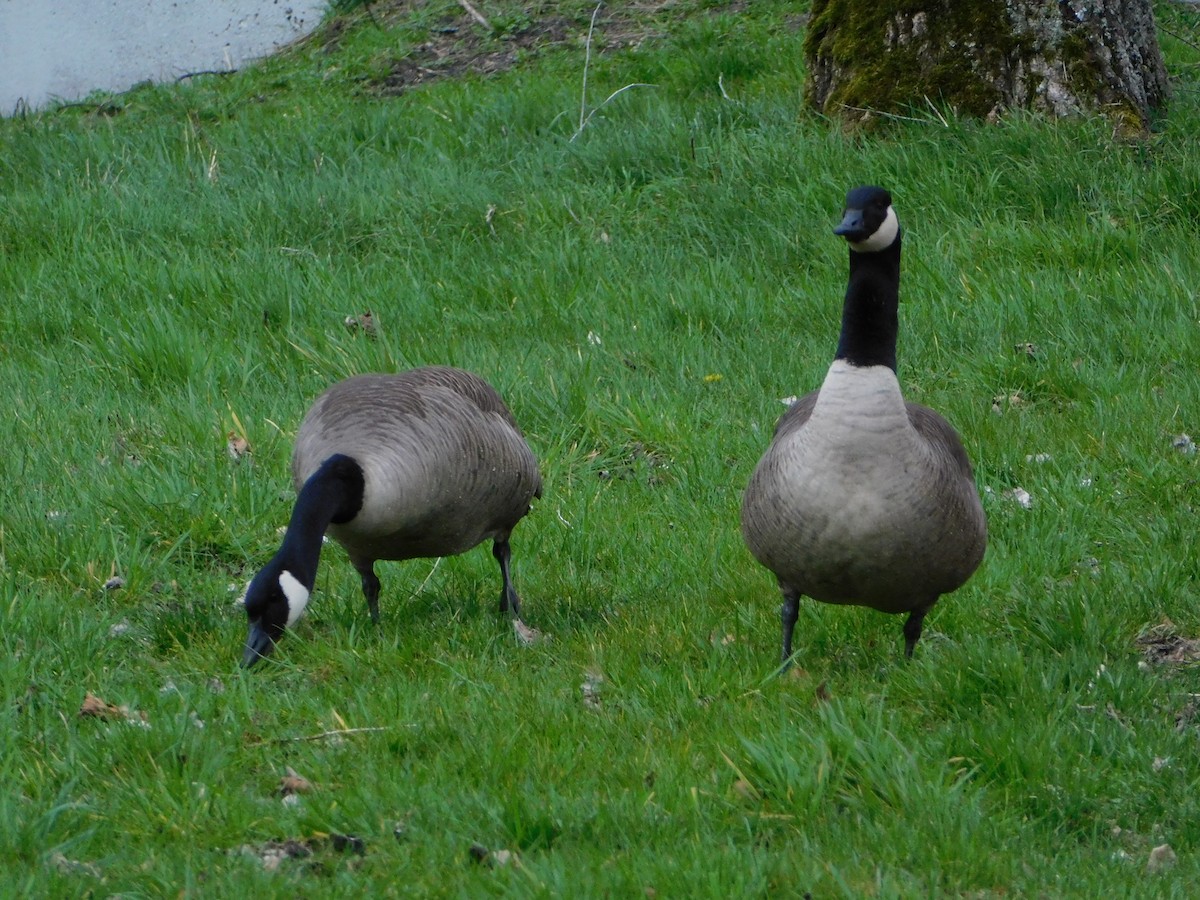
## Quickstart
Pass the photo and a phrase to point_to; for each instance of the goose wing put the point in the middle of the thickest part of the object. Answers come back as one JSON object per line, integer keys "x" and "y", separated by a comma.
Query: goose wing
{"x": 797, "y": 414}
{"x": 942, "y": 438}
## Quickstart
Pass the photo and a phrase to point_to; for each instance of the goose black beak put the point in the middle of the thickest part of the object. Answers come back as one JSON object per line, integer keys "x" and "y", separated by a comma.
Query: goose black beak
{"x": 258, "y": 645}
{"x": 852, "y": 228}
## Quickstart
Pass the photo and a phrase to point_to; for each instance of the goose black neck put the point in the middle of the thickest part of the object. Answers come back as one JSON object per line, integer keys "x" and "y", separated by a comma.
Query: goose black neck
{"x": 870, "y": 314}
{"x": 332, "y": 494}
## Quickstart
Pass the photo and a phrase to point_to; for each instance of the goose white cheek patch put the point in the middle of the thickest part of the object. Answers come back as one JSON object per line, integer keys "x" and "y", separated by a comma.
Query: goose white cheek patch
{"x": 883, "y": 236}
{"x": 297, "y": 596}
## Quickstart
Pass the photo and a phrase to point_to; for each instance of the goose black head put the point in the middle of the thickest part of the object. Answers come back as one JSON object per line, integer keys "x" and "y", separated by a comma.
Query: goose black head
{"x": 275, "y": 600}
{"x": 869, "y": 223}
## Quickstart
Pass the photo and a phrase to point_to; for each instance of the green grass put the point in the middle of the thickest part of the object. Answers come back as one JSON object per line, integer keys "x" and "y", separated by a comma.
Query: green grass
{"x": 642, "y": 296}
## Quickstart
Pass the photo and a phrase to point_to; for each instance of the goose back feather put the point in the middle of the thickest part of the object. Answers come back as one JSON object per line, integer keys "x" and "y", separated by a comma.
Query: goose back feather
{"x": 444, "y": 463}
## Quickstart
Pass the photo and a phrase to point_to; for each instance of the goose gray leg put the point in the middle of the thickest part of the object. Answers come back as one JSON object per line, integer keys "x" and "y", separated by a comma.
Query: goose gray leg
{"x": 370, "y": 587}
{"x": 788, "y": 613}
{"x": 912, "y": 628}
{"x": 508, "y": 594}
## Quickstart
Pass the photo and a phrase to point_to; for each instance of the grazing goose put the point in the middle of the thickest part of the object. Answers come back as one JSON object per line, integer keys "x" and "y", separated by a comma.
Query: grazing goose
{"x": 862, "y": 498}
{"x": 425, "y": 463}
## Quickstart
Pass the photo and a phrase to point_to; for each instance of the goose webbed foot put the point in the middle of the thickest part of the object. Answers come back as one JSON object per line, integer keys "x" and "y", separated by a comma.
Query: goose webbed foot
{"x": 788, "y": 613}
{"x": 508, "y": 594}
{"x": 370, "y": 588}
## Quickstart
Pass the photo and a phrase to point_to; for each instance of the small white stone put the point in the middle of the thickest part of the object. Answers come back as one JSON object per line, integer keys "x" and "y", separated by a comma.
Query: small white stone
{"x": 1161, "y": 857}
{"x": 1021, "y": 496}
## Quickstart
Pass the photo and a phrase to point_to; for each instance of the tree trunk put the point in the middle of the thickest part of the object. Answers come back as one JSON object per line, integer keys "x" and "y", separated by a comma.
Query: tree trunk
{"x": 981, "y": 57}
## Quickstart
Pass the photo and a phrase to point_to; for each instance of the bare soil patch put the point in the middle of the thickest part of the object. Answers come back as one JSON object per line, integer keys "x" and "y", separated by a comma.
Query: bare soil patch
{"x": 457, "y": 45}
{"x": 1163, "y": 645}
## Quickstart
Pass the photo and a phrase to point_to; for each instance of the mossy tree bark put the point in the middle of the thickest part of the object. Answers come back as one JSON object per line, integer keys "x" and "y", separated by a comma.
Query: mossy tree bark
{"x": 981, "y": 57}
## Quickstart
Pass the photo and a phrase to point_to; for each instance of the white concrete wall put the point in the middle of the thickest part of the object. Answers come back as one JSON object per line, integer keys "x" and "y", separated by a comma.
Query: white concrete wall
{"x": 65, "y": 49}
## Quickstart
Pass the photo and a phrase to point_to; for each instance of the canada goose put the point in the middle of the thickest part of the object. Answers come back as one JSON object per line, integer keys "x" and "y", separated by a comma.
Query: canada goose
{"x": 862, "y": 498}
{"x": 428, "y": 462}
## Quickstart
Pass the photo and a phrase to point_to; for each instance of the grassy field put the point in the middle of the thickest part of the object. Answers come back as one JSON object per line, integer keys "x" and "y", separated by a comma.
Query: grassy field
{"x": 178, "y": 263}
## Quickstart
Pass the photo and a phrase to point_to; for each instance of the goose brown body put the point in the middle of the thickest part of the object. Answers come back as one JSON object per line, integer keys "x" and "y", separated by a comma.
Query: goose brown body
{"x": 423, "y": 463}
{"x": 863, "y": 498}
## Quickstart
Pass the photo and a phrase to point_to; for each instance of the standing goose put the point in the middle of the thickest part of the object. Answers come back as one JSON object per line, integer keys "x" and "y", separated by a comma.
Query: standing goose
{"x": 862, "y": 498}
{"x": 425, "y": 463}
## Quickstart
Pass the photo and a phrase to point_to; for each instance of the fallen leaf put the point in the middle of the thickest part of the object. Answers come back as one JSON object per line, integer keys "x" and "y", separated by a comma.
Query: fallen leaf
{"x": 365, "y": 321}
{"x": 94, "y": 707}
{"x": 236, "y": 445}
{"x": 823, "y": 692}
{"x": 744, "y": 789}
{"x": 293, "y": 783}
{"x": 526, "y": 636}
